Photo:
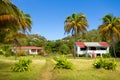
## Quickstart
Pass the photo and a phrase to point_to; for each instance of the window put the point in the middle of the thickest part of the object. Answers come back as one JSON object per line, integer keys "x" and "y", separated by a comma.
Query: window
{"x": 92, "y": 48}
{"x": 83, "y": 49}
{"x": 103, "y": 48}
{"x": 33, "y": 50}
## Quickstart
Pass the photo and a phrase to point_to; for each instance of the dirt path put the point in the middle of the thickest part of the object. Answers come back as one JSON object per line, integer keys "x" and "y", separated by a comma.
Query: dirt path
{"x": 47, "y": 73}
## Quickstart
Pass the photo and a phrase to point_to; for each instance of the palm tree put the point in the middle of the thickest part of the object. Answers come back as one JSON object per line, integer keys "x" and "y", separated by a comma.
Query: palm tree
{"x": 11, "y": 16}
{"x": 76, "y": 24}
{"x": 13, "y": 19}
{"x": 110, "y": 29}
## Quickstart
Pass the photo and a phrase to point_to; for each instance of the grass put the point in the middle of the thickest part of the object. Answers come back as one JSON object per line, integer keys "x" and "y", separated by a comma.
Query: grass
{"x": 7, "y": 74}
{"x": 42, "y": 69}
{"x": 85, "y": 71}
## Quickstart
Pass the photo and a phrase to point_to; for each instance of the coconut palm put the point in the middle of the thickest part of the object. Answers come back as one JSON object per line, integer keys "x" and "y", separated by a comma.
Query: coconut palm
{"x": 110, "y": 29}
{"x": 77, "y": 23}
{"x": 11, "y": 16}
{"x": 12, "y": 19}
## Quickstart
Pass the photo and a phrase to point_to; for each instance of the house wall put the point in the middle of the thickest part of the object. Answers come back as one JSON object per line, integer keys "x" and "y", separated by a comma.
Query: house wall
{"x": 31, "y": 51}
{"x": 80, "y": 52}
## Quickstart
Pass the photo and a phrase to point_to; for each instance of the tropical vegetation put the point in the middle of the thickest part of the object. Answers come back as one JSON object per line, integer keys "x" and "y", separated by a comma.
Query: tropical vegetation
{"x": 110, "y": 30}
{"x": 13, "y": 21}
{"x": 77, "y": 23}
{"x": 50, "y": 65}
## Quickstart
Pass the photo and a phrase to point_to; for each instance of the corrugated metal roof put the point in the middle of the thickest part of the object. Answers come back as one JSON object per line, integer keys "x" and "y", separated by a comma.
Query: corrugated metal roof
{"x": 80, "y": 44}
{"x": 90, "y": 44}
{"x": 104, "y": 44}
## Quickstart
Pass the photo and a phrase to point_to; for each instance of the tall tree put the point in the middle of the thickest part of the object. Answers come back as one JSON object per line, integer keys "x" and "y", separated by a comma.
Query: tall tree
{"x": 110, "y": 29}
{"x": 13, "y": 19}
{"x": 76, "y": 24}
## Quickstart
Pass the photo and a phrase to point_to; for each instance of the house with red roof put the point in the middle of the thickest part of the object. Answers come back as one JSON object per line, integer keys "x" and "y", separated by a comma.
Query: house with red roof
{"x": 91, "y": 49}
{"x": 29, "y": 49}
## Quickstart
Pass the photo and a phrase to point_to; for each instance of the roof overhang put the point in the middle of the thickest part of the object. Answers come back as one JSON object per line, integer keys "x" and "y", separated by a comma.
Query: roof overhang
{"x": 92, "y": 44}
{"x": 80, "y": 44}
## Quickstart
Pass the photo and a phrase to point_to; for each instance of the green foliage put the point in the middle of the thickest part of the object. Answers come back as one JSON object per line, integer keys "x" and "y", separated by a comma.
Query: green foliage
{"x": 62, "y": 62}
{"x": 6, "y": 50}
{"x": 64, "y": 49}
{"x": 82, "y": 55}
{"x": 35, "y": 40}
{"x": 2, "y": 52}
{"x": 117, "y": 49}
{"x": 41, "y": 53}
{"x": 50, "y": 47}
{"x": 106, "y": 55}
{"x": 22, "y": 53}
{"x": 98, "y": 63}
{"x": 7, "y": 54}
{"x": 108, "y": 64}
{"x": 22, "y": 65}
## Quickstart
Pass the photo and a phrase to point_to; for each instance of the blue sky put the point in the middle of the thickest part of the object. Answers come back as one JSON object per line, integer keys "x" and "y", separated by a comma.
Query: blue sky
{"x": 48, "y": 15}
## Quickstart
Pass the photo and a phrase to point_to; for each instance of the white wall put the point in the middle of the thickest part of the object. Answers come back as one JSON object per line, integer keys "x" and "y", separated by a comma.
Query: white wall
{"x": 78, "y": 51}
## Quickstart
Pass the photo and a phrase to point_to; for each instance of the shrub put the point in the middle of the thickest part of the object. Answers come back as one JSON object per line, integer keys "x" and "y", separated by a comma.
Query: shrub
{"x": 98, "y": 63}
{"x": 41, "y": 53}
{"x": 108, "y": 64}
{"x": 22, "y": 53}
{"x": 106, "y": 55}
{"x": 82, "y": 55}
{"x": 2, "y": 52}
{"x": 62, "y": 62}
{"x": 22, "y": 65}
{"x": 7, "y": 54}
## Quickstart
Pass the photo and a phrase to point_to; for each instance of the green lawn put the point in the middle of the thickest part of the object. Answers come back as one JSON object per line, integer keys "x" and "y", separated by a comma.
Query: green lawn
{"x": 42, "y": 69}
{"x": 85, "y": 71}
{"x": 7, "y": 74}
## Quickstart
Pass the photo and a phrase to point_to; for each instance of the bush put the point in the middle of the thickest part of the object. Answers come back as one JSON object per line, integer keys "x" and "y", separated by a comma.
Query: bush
{"x": 22, "y": 53}
{"x": 22, "y": 65}
{"x": 98, "y": 63}
{"x": 2, "y": 52}
{"x": 62, "y": 62}
{"x": 82, "y": 55}
{"x": 106, "y": 55}
{"x": 41, "y": 53}
{"x": 7, "y": 54}
{"x": 108, "y": 64}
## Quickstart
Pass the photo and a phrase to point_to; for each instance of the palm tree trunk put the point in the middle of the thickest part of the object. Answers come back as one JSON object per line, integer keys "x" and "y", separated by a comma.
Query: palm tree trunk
{"x": 113, "y": 45}
{"x": 114, "y": 51}
{"x": 75, "y": 39}
{"x": 74, "y": 54}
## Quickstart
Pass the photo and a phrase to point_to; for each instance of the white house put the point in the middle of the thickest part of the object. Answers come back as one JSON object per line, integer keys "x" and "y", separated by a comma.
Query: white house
{"x": 29, "y": 49}
{"x": 91, "y": 49}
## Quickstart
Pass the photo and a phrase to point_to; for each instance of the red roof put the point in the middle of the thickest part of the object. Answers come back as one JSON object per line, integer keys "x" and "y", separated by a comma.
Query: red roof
{"x": 80, "y": 44}
{"x": 105, "y": 44}
{"x": 29, "y": 47}
{"x": 83, "y": 44}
